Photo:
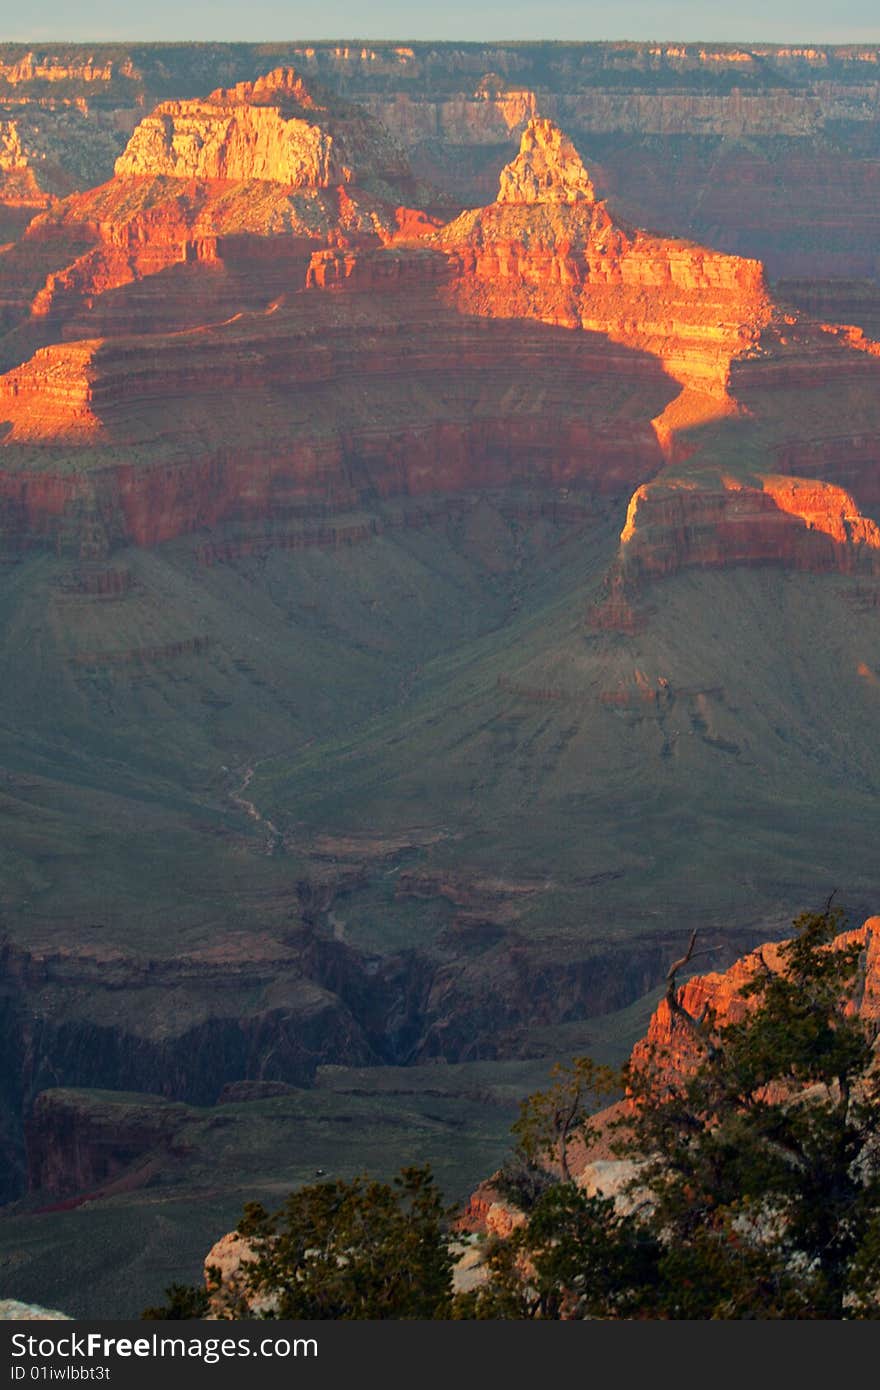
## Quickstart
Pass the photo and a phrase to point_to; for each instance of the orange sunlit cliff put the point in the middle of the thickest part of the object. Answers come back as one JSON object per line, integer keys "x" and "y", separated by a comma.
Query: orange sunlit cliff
{"x": 538, "y": 339}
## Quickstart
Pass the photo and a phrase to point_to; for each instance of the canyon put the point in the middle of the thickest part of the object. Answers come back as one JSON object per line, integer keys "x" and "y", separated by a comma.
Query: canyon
{"x": 423, "y": 603}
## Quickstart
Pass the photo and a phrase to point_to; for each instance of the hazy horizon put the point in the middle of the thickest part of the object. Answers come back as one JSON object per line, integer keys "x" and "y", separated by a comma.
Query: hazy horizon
{"x": 784, "y": 21}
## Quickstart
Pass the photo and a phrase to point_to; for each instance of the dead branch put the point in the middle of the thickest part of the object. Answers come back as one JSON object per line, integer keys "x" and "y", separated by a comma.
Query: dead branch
{"x": 762, "y": 962}
{"x": 564, "y": 1121}
{"x": 697, "y": 1026}
{"x": 680, "y": 964}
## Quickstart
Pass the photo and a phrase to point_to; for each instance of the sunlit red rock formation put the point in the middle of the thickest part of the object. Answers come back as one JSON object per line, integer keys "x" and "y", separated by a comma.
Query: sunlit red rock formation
{"x": 627, "y": 348}
{"x": 199, "y": 183}
{"x": 722, "y": 994}
{"x": 725, "y": 149}
{"x": 677, "y": 523}
{"x": 768, "y": 155}
{"x": 548, "y": 169}
{"x": 273, "y": 129}
{"x": 53, "y": 393}
{"x": 548, "y": 249}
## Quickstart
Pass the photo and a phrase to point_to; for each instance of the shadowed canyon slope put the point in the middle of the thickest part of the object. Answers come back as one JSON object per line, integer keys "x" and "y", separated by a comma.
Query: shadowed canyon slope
{"x": 415, "y": 620}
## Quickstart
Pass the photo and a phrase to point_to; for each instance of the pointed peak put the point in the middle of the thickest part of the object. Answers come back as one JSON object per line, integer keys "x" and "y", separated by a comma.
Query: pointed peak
{"x": 548, "y": 169}
{"x": 281, "y": 86}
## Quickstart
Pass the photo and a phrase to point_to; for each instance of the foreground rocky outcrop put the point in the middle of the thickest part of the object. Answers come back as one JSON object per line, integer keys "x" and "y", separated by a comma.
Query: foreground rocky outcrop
{"x": 670, "y": 1045}
{"x": 721, "y": 993}
{"x": 491, "y": 1215}
{"x": 12, "y": 1311}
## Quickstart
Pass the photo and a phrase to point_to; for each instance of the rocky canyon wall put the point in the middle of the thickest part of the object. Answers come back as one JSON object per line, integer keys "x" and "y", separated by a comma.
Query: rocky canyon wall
{"x": 767, "y": 151}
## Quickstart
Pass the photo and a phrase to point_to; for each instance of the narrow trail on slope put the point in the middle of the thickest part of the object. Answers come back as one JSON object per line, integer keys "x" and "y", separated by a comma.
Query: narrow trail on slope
{"x": 273, "y": 834}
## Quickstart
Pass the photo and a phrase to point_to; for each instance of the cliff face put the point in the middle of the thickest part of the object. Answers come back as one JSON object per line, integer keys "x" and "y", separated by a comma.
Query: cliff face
{"x": 79, "y": 1142}
{"x": 804, "y": 401}
{"x": 273, "y": 129}
{"x": 174, "y": 1029}
{"x": 406, "y": 306}
{"x": 430, "y": 416}
{"x": 186, "y": 140}
{"x": 410, "y": 325}
{"x": 794, "y": 522}
{"x": 548, "y": 249}
{"x": 722, "y": 993}
{"x": 726, "y": 145}
{"x": 198, "y": 179}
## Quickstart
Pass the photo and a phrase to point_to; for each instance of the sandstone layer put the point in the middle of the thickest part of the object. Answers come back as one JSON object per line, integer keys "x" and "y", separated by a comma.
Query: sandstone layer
{"x": 613, "y": 302}
{"x": 545, "y": 251}
{"x": 274, "y": 129}
{"x": 548, "y": 249}
{"x": 669, "y": 1040}
{"x": 779, "y": 520}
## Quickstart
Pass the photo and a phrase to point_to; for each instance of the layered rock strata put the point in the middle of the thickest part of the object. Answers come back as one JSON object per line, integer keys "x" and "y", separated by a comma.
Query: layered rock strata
{"x": 722, "y": 993}
{"x": 548, "y": 249}
{"x": 765, "y": 150}
{"x": 777, "y": 520}
{"x": 274, "y": 129}
{"x": 434, "y": 415}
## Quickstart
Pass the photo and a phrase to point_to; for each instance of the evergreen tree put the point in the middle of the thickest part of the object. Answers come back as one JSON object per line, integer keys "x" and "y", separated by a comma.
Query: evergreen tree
{"x": 342, "y": 1250}
{"x": 762, "y": 1165}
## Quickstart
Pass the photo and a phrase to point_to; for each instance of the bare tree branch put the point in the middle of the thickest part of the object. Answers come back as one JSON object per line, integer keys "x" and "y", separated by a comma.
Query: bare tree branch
{"x": 680, "y": 964}
{"x": 762, "y": 962}
{"x": 696, "y": 1025}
